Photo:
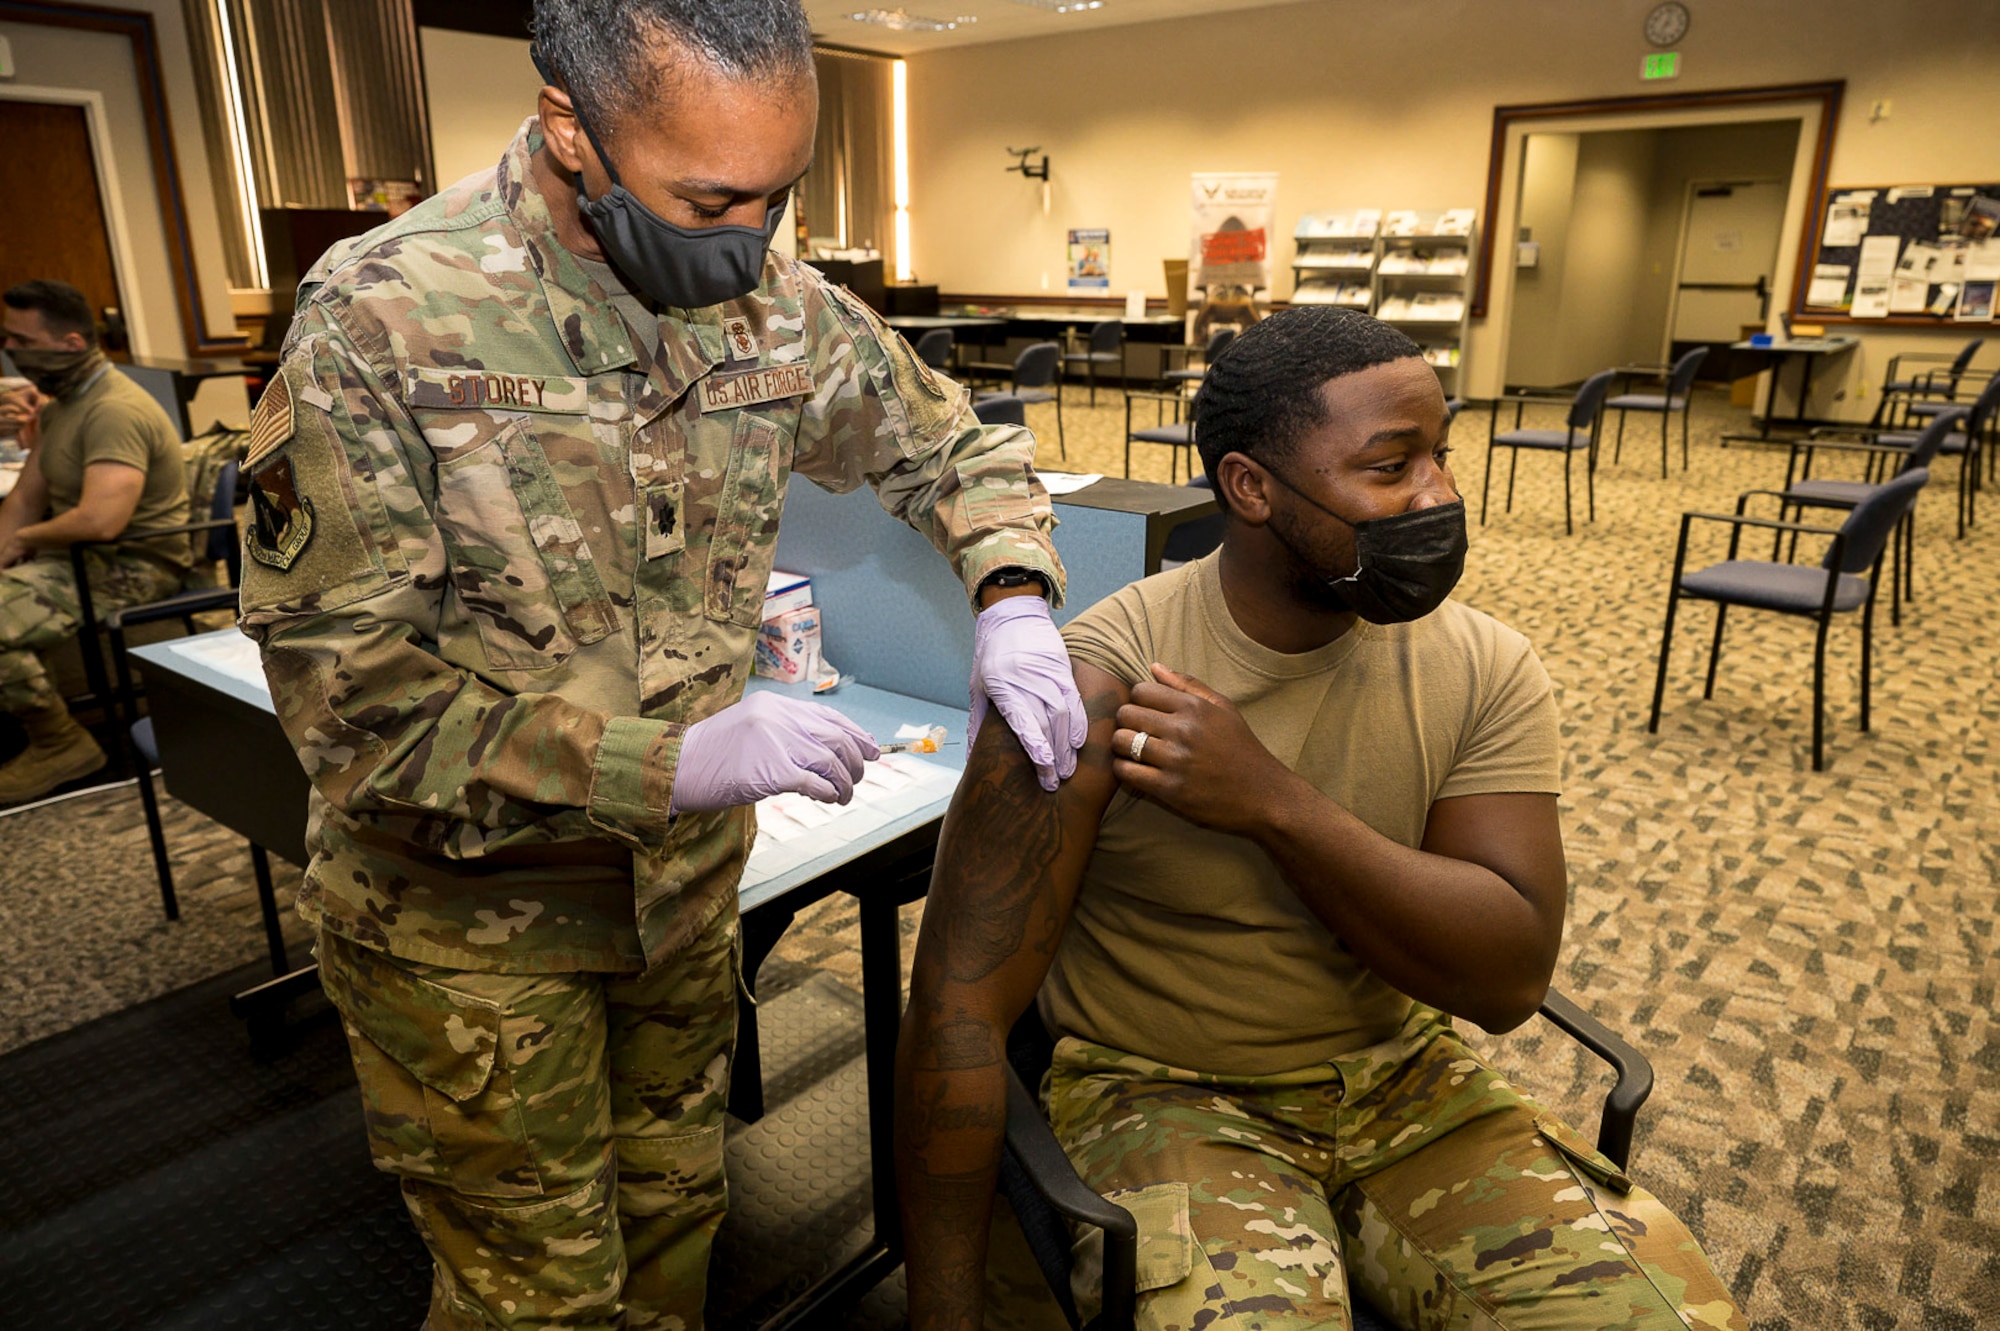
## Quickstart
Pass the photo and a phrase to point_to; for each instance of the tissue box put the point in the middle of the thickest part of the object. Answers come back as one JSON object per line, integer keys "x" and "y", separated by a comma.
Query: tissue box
{"x": 788, "y": 646}
{"x": 786, "y": 591}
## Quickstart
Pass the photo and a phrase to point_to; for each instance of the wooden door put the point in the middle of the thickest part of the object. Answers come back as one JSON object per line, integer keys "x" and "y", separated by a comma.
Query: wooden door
{"x": 50, "y": 211}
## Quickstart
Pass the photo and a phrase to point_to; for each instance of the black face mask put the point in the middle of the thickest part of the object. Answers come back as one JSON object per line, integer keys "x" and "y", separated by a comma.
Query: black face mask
{"x": 1405, "y": 565}
{"x": 690, "y": 269}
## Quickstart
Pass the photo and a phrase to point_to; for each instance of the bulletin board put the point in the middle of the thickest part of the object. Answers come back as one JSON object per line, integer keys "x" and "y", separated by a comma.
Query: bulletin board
{"x": 1946, "y": 240}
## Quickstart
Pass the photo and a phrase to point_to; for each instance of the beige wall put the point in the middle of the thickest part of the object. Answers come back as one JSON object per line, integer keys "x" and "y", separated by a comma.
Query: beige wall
{"x": 480, "y": 89}
{"x": 1384, "y": 106}
{"x": 1548, "y": 181}
{"x": 75, "y": 61}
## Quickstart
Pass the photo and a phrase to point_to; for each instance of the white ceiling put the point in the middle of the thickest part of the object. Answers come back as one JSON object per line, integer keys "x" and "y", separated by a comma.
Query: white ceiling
{"x": 995, "y": 20}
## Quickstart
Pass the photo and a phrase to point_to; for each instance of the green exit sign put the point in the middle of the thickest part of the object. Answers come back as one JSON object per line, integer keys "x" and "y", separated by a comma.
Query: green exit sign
{"x": 1661, "y": 65}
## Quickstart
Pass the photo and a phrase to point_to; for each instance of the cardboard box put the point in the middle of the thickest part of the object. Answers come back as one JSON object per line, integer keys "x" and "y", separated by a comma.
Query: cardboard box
{"x": 788, "y": 646}
{"x": 786, "y": 591}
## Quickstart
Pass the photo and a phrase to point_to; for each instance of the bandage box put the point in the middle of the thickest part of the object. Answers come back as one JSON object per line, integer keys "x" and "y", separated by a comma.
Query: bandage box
{"x": 786, "y": 591}
{"x": 788, "y": 646}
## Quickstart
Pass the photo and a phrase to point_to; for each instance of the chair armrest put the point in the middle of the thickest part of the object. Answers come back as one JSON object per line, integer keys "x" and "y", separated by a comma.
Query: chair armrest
{"x": 1642, "y": 369}
{"x": 1635, "y": 1074}
{"x": 1740, "y": 520}
{"x": 1055, "y": 1180}
{"x": 1538, "y": 399}
{"x": 187, "y": 603}
{"x": 185, "y": 529}
{"x": 1851, "y": 446}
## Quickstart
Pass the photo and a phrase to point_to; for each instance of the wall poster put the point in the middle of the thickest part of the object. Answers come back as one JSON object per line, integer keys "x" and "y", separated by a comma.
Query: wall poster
{"x": 1090, "y": 259}
{"x": 1233, "y": 215}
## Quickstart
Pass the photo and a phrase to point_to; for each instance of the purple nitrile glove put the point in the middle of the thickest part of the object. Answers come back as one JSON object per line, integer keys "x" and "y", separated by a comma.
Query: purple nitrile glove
{"x": 765, "y": 745}
{"x": 1019, "y": 664}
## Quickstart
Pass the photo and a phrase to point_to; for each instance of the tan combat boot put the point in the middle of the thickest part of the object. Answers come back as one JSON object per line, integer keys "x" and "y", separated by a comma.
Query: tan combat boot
{"x": 58, "y": 750}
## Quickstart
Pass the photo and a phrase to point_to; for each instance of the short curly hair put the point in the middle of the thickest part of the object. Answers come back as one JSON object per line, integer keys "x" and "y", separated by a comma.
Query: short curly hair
{"x": 601, "y": 51}
{"x": 1261, "y": 396}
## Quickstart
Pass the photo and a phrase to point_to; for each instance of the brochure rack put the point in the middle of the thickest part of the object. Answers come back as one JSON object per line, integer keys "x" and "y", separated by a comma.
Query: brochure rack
{"x": 1409, "y": 268}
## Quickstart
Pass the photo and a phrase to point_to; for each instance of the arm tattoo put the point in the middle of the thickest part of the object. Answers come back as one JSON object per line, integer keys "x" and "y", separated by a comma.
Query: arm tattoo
{"x": 1005, "y": 841}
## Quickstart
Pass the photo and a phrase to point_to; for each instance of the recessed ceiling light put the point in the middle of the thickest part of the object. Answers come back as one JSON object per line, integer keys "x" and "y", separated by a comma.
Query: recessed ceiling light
{"x": 902, "y": 20}
{"x": 1062, "y": 6}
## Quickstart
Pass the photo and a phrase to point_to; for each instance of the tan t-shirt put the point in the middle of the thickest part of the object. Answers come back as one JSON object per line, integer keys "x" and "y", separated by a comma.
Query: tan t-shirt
{"x": 1187, "y": 945}
{"x": 115, "y": 420}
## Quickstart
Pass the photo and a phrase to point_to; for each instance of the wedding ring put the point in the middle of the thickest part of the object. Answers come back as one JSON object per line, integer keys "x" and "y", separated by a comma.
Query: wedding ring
{"x": 1138, "y": 746}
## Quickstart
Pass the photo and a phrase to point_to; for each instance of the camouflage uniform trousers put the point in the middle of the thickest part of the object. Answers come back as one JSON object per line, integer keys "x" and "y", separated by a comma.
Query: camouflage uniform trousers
{"x": 558, "y": 1136}
{"x": 38, "y": 611}
{"x": 1441, "y": 1192}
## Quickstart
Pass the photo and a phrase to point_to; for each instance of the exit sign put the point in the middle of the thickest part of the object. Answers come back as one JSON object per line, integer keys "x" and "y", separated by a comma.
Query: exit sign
{"x": 1661, "y": 65}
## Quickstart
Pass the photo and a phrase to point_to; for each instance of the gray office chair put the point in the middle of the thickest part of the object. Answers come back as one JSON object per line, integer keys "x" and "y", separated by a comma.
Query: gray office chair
{"x": 934, "y": 348}
{"x": 1107, "y": 348}
{"x": 1005, "y": 409}
{"x": 1049, "y": 1197}
{"x": 1218, "y": 341}
{"x": 1177, "y": 434}
{"x": 1809, "y": 491}
{"x": 1033, "y": 376}
{"x": 1581, "y": 427}
{"x": 1679, "y": 396}
{"x": 1919, "y": 394}
{"x": 1844, "y": 583}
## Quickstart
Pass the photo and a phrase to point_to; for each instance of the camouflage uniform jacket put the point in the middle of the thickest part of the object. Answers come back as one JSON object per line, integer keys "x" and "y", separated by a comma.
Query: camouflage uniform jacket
{"x": 505, "y": 553}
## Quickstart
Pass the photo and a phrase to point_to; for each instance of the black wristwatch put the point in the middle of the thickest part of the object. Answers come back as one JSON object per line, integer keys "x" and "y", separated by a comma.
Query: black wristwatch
{"x": 1015, "y": 577}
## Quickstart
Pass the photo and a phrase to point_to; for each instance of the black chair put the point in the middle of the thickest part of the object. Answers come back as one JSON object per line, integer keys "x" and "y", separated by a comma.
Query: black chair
{"x": 1218, "y": 341}
{"x": 1809, "y": 491}
{"x": 1004, "y": 409}
{"x": 1196, "y": 537}
{"x": 1177, "y": 434}
{"x": 1106, "y": 347}
{"x": 934, "y": 348}
{"x": 142, "y": 752}
{"x": 1032, "y": 376}
{"x": 1844, "y": 582}
{"x": 1915, "y": 394}
{"x": 1581, "y": 428}
{"x": 1047, "y": 1194}
{"x": 219, "y": 545}
{"x": 1966, "y": 444}
{"x": 1679, "y": 396}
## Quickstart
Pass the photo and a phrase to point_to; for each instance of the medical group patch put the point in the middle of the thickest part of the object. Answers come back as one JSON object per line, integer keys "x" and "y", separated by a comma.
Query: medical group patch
{"x": 281, "y": 520}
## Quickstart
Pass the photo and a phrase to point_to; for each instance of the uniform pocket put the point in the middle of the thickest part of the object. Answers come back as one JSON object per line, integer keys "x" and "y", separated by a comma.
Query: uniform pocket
{"x": 1166, "y": 1251}
{"x": 748, "y": 507}
{"x": 440, "y": 1104}
{"x": 518, "y": 559}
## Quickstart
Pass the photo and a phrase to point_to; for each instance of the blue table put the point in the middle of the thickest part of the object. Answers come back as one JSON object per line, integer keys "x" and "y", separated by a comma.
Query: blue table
{"x": 223, "y": 753}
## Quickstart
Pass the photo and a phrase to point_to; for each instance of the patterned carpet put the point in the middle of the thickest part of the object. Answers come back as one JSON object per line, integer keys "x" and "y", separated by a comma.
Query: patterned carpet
{"x": 1809, "y": 959}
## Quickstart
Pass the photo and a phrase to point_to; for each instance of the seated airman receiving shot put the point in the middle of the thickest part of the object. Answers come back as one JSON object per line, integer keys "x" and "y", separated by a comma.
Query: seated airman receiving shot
{"x": 1315, "y": 821}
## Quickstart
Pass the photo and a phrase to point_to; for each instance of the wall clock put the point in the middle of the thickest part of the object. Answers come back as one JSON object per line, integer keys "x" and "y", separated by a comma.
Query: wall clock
{"x": 1667, "y": 24}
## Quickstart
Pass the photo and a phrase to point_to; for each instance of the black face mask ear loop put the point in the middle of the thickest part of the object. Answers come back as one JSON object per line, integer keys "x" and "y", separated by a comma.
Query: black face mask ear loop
{"x": 589, "y": 132}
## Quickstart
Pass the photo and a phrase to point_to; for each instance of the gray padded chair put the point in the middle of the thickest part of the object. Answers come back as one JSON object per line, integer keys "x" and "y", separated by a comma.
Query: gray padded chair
{"x": 934, "y": 348}
{"x": 1678, "y": 397}
{"x": 1177, "y": 434}
{"x": 1048, "y": 1196}
{"x": 1003, "y": 409}
{"x": 1844, "y": 583}
{"x": 1922, "y": 393}
{"x": 1032, "y": 376}
{"x": 1578, "y": 435}
{"x": 1965, "y": 444}
{"x": 1218, "y": 341}
{"x": 1810, "y": 491}
{"x": 1106, "y": 348}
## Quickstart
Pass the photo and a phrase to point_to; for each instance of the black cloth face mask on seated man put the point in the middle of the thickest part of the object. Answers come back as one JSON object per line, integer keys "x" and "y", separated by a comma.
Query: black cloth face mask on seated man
{"x": 1405, "y": 565}
{"x": 674, "y": 265}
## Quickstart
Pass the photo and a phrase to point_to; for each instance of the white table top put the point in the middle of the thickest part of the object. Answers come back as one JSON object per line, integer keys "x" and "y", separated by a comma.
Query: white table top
{"x": 901, "y": 793}
{"x": 10, "y": 472}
